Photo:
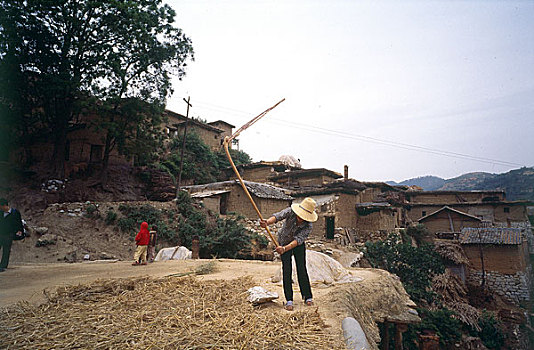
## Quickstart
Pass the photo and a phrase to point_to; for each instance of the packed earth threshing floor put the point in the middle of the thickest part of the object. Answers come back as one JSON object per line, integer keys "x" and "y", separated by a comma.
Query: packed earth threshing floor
{"x": 165, "y": 310}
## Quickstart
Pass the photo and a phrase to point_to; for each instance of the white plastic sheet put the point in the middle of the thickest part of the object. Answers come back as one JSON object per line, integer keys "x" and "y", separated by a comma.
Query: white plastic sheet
{"x": 322, "y": 270}
{"x": 180, "y": 253}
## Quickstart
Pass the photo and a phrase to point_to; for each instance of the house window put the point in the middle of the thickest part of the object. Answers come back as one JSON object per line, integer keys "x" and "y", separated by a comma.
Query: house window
{"x": 506, "y": 209}
{"x": 423, "y": 213}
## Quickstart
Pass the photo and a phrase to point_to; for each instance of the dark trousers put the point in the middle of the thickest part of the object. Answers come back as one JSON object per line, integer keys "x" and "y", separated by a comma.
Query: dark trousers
{"x": 5, "y": 245}
{"x": 304, "y": 281}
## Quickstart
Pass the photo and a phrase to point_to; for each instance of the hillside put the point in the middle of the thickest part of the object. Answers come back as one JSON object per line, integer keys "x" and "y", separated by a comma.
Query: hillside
{"x": 428, "y": 183}
{"x": 518, "y": 184}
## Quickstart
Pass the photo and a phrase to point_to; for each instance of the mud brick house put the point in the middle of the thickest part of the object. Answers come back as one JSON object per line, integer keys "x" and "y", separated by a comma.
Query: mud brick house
{"x": 305, "y": 178}
{"x": 229, "y": 197}
{"x": 447, "y": 222}
{"x": 212, "y": 134}
{"x": 353, "y": 208}
{"x": 84, "y": 148}
{"x": 259, "y": 171}
{"x": 501, "y": 254}
{"x": 490, "y": 206}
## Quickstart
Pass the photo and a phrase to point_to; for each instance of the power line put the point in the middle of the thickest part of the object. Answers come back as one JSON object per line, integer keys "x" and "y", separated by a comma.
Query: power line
{"x": 364, "y": 138}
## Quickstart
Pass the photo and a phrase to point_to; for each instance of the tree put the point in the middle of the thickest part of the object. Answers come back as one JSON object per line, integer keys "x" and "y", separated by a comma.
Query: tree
{"x": 92, "y": 52}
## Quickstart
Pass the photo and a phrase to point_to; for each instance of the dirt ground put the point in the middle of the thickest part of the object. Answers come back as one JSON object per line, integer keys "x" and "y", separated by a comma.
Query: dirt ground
{"x": 29, "y": 282}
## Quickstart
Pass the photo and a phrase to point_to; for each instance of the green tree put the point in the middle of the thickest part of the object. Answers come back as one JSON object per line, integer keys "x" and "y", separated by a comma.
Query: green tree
{"x": 200, "y": 162}
{"x": 69, "y": 51}
{"x": 415, "y": 266}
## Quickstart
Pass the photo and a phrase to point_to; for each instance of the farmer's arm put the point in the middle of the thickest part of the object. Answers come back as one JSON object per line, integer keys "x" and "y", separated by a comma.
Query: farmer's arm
{"x": 269, "y": 221}
{"x": 281, "y": 215}
{"x": 300, "y": 237}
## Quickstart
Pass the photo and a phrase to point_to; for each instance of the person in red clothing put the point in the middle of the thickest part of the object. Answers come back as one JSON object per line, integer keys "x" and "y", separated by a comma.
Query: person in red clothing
{"x": 142, "y": 239}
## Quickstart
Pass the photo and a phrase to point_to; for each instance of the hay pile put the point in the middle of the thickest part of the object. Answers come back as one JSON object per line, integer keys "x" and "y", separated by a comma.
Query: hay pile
{"x": 164, "y": 313}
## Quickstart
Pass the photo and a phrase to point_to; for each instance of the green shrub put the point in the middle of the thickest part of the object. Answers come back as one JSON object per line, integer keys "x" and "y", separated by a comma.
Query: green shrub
{"x": 111, "y": 217}
{"x": 91, "y": 211}
{"x": 491, "y": 331}
{"x": 441, "y": 321}
{"x": 415, "y": 266}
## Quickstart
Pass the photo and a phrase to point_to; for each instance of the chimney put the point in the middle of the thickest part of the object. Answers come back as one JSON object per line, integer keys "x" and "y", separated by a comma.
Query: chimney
{"x": 346, "y": 173}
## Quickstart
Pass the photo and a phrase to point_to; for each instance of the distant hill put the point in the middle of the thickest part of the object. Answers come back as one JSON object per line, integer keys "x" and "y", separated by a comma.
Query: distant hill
{"x": 518, "y": 184}
{"x": 428, "y": 183}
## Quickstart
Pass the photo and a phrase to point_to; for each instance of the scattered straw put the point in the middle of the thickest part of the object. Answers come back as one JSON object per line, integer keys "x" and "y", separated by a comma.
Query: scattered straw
{"x": 163, "y": 313}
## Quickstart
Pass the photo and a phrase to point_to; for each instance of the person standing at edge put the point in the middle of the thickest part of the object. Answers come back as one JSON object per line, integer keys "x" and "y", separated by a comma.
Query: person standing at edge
{"x": 10, "y": 225}
{"x": 141, "y": 239}
{"x": 291, "y": 237}
{"x": 151, "y": 253}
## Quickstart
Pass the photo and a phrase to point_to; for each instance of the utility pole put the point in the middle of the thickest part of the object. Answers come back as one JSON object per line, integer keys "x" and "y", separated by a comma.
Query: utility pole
{"x": 183, "y": 146}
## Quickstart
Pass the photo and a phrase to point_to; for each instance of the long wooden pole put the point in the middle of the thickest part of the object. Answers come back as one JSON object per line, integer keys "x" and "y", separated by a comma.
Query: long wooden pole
{"x": 226, "y": 142}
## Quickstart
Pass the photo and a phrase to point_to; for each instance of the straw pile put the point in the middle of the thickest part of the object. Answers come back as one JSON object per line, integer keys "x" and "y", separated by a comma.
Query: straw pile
{"x": 163, "y": 313}
{"x": 453, "y": 295}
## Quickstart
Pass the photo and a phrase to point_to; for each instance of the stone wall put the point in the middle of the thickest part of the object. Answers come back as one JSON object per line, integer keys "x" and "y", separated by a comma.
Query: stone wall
{"x": 512, "y": 287}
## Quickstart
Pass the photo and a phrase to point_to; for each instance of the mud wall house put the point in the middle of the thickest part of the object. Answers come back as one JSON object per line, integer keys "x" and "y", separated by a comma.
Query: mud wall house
{"x": 501, "y": 254}
{"x": 341, "y": 210}
{"x": 507, "y": 214}
{"x": 258, "y": 171}
{"x": 305, "y": 178}
{"x": 211, "y": 135}
{"x": 449, "y": 197}
{"x": 84, "y": 149}
{"x": 448, "y": 221}
{"x": 229, "y": 197}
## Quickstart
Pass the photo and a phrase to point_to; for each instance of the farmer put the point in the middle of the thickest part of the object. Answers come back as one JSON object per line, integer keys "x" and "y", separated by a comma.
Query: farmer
{"x": 297, "y": 226}
{"x": 10, "y": 226}
{"x": 151, "y": 254}
{"x": 142, "y": 239}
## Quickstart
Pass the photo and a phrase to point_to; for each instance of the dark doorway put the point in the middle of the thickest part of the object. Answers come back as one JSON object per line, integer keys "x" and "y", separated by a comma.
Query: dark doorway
{"x": 329, "y": 224}
{"x": 224, "y": 203}
{"x": 96, "y": 153}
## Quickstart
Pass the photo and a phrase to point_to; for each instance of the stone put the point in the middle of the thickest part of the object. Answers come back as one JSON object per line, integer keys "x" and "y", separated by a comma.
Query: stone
{"x": 41, "y": 230}
{"x": 259, "y": 295}
{"x": 46, "y": 239}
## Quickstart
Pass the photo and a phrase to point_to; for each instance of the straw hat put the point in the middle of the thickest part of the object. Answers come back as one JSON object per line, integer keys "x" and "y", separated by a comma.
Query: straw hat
{"x": 305, "y": 210}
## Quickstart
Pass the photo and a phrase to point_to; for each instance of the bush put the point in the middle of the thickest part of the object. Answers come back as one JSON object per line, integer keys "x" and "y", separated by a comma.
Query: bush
{"x": 111, "y": 217}
{"x": 91, "y": 211}
{"x": 491, "y": 332}
{"x": 440, "y": 321}
{"x": 415, "y": 266}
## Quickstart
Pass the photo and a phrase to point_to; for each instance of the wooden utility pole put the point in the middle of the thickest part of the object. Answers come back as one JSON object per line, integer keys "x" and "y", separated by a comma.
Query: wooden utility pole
{"x": 183, "y": 146}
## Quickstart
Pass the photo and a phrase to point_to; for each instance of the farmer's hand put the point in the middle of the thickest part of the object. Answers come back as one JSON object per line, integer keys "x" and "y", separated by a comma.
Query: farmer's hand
{"x": 263, "y": 223}
{"x": 280, "y": 250}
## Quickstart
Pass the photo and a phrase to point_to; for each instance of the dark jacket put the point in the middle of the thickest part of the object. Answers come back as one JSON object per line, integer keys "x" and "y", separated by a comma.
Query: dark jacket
{"x": 10, "y": 224}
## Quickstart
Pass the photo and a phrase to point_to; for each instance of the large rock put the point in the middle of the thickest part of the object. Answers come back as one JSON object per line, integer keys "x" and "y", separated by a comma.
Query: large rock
{"x": 259, "y": 295}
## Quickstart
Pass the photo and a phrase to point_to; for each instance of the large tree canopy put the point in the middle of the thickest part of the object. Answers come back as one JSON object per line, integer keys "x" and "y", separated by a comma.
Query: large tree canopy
{"x": 63, "y": 54}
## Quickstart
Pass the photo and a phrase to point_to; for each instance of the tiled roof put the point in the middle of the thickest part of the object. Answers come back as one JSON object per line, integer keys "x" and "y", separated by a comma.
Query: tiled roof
{"x": 258, "y": 189}
{"x": 491, "y": 235}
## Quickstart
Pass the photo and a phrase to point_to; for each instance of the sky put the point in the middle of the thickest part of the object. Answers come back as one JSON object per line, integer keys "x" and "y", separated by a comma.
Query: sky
{"x": 393, "y": 89}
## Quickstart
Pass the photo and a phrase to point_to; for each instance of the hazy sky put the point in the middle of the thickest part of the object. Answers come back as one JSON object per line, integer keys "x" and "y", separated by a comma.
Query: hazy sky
{"x": 394, "y": 89}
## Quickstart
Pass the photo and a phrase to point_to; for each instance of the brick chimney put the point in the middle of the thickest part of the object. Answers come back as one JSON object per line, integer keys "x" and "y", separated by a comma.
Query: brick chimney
{"x": 346, "y": 173}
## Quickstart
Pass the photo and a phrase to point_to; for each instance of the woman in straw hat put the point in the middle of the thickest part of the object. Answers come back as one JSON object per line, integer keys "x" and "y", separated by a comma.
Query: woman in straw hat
{"x": 291, "y": 237}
